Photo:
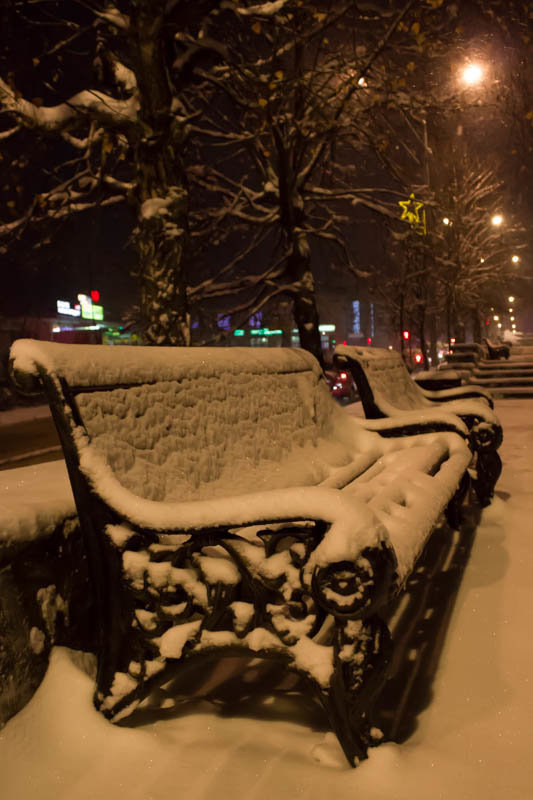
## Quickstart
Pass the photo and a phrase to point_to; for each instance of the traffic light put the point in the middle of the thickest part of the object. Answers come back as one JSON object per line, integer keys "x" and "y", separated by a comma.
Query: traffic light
{"x": 406, "y": 335}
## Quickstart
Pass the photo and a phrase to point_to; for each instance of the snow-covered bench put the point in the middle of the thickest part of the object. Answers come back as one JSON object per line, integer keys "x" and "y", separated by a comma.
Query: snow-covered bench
{"x": 497, "y": 350}
{"x": 229, "y": 504}
{"x": 388, "y": 391}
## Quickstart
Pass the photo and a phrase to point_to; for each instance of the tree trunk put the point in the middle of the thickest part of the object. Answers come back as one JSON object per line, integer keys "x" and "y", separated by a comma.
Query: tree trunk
{"x": 305, "y": 308}
{"x": 160, "y": 238}
{"x": 285, "y": 312}
{"x": 402, "y": 327}
{"x": 162, "y": 199}
{"x": 433, "y": 348}
{"x": 476, "y": 326}
{"x": 422, "y": 334}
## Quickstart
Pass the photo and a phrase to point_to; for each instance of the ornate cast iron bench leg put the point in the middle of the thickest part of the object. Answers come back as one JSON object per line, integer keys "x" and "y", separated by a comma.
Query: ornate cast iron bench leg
{"x": 453, "y": 511}
{"x": 362, "y": 648}
{"x": 486, "y": 440}
{"x": 362, "y": 656}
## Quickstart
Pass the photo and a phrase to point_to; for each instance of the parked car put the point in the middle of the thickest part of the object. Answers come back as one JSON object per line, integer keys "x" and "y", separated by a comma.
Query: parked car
{"x": 341, "y": 384}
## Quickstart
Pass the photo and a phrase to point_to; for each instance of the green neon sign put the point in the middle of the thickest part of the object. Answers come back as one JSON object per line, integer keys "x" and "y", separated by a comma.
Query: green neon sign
{"x": 91, "y": 311}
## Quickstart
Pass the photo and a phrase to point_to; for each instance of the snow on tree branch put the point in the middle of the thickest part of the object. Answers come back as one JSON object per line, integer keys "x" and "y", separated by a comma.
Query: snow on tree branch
{"x": 112, "y": 15}
{"x": 55, "y": 118}
{"x": 259, "y": 10}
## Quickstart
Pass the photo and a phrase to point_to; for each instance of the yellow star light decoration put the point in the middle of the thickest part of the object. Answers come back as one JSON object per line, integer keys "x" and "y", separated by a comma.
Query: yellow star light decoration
{"x": 411, "y": 210}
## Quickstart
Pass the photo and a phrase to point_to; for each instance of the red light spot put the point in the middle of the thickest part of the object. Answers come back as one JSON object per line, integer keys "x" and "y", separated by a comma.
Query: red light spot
{"x": 406, "y": 335}
{"x": 487, "y": 322}
{"x": 369, "y": 340}
{"x": 95, "y": 295}
{"x": 344, "y": 341}
{"x": 344, "y": 375}
{"x": 418, "y": 358}
{"x": 452, "y": 340}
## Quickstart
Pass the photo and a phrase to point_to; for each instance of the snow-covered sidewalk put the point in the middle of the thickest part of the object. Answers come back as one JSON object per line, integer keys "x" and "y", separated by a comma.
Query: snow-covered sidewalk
{"x": 473, "y": 742}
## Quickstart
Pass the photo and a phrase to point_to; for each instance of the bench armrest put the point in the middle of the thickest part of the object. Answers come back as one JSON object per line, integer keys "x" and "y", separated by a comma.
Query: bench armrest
{"x": 458, "y": 393}
{"x": 414, "y": 423}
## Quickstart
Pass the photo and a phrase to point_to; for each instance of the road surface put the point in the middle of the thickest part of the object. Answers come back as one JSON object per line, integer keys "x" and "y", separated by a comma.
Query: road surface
{"x": 28, "y": 441}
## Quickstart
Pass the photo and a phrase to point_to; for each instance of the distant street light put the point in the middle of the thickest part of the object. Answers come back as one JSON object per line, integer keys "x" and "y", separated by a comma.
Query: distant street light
{"x": 447, "y": 221}
{"x": 515, "y": 259}
{"x": 497, "y": 220}
{"x": 511, "y": 298}
{"x": 472, "y": 74}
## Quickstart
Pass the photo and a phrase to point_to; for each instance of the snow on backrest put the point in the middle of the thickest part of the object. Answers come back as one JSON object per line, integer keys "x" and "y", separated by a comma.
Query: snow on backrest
{"x": 198, "y": 422}
{"x": 166, "y": 441}
{"x": 391, "y": 384}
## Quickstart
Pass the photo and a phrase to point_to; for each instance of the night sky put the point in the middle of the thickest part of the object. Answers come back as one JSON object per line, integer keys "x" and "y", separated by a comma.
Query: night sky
{"x": 92, "y": 251}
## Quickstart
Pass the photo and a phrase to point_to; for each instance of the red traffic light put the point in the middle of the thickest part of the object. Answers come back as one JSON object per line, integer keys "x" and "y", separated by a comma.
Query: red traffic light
{"x": 418, "y": 358}
{"x": 95, "y": 295}
{"x": 406, "y": 335}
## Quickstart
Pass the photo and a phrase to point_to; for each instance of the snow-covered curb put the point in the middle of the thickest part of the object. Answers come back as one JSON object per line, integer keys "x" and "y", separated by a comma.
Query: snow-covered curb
{"x": 34, "y": 500}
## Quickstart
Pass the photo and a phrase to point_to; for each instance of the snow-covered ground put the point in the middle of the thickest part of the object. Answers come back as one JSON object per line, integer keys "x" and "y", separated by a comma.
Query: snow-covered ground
{"x": 472, "y": 743}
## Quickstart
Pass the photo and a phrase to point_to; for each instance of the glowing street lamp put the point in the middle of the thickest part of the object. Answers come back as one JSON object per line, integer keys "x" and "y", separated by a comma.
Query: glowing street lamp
{"x": 515, "y": 259}
{"x": 472, "y": 74}
{"x": 511, "y": 298}
{"x": 447, "y": 221}
{"x": 497, "y": 220}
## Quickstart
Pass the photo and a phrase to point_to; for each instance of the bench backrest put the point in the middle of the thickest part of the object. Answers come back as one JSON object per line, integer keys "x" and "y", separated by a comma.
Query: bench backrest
{"x": 385, "y": 386}
{"x": 192, "y": 423}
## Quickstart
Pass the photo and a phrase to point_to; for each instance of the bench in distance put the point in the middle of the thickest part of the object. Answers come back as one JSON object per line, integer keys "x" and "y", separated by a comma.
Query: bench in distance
{"x": 387, "y": 390}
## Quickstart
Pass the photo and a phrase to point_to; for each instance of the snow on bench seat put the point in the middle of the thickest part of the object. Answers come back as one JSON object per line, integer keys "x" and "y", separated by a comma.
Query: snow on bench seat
{"x": 233, "y": 503}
